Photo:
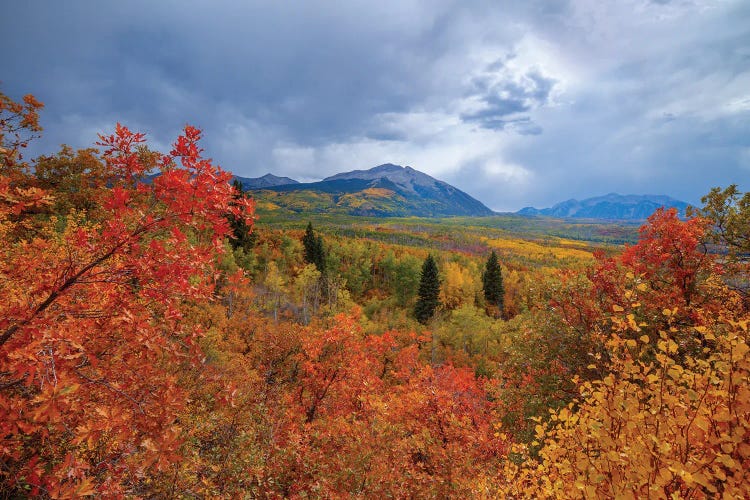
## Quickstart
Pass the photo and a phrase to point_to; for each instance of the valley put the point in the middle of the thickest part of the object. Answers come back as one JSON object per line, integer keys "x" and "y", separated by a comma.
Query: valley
{"x": 167, "y": 333}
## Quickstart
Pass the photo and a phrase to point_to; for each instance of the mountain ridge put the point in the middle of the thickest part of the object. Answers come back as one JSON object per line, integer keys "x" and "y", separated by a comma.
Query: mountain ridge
{"x": 384, "y": 190}
{"x": 611, "y": 206}
{"x": 265, "y": 181}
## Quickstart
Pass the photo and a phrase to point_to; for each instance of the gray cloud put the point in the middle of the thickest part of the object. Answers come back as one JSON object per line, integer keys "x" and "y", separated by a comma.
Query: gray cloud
{"x": 507, "y": 102}
{"x": 517, "y": 103}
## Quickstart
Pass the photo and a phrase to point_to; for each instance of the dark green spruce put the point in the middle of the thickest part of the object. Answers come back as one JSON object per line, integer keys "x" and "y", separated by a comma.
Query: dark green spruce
{"x": 314, "y": 249}
{"x": 242, "y": 237}
{"x": 429, "y": 291}
{"x": 492, "y": 280}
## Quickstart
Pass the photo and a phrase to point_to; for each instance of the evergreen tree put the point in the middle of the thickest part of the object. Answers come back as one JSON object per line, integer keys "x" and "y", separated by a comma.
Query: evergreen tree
{"x": 429, "y": 290}
{"x": 320, "y": 255}
{"x": 492, "y": 280}
{"x": 241, "y": 237}
{"x": 309, "y": 243}
{"x": 314, "y": 250}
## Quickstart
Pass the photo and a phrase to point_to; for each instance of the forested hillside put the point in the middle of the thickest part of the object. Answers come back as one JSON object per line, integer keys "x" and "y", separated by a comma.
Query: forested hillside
{"x": 163, "y": 340}
{"x": 383, "y": 191}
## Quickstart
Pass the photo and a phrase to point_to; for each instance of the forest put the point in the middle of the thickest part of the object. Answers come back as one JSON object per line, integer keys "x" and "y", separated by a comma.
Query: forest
{"x": 162, "y": 338}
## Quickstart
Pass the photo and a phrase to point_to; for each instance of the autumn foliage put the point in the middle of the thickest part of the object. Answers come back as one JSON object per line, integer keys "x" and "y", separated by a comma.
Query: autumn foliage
{"x": 667, "y": 428}
{"x": 91, "y": 331}
{"x": 150, "y": 348}
{"x": 665, "y": 412}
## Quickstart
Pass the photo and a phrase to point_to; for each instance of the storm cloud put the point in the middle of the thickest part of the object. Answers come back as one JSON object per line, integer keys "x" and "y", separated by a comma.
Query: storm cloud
{"x": 516, "y": 103}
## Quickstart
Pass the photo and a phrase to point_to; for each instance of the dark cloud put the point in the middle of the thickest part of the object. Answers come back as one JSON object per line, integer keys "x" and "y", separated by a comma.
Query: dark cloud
{"x": 316, "y": 72}
{"x": 632, "y": 96}
{"x": 506, "y": 101}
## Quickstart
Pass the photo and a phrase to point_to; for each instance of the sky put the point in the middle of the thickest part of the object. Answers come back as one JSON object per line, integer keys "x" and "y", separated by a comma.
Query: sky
{"x": 516, "y": 103}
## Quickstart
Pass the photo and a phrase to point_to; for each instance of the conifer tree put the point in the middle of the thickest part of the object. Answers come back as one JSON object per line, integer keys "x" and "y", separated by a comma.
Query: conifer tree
{"x": 241, "y": 236}
{"x": 429, "y": 290}
{"x": 308, "y": 242}
{"x": 314, "y": 249}
{"x": 492, "y": 280}
{"x": 320, "y": 255}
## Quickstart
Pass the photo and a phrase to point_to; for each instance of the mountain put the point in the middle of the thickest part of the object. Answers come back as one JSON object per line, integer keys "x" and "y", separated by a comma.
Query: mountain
{"x": 612, "y": 206}
{"x": 385, "y": 190}
{"x": 405, "y": 177}
{"x": 268, "y": 180}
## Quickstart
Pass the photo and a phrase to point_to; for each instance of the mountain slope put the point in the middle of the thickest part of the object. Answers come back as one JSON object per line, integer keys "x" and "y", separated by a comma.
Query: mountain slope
{"x": 612, "y": 206}
{"x": 386, "y": 190}
{"x": 268, "y": 180}
{"x": 405, "y": 177}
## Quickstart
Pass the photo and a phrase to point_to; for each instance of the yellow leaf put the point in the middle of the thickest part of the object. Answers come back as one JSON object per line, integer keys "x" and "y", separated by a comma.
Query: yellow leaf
{"x": 701, "y": 423}
{"x": 644, "y": 339}
{"x": 633, "y": 325}
{"x": 617, "y": 308}
{"x": 672, "y": 347}
{"x": 726, "y": 460}
{"x": 741, "y": 349}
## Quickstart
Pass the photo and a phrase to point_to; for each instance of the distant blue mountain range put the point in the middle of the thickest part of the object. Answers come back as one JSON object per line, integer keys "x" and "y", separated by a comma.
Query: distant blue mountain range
{"x": 612, "y": 206}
